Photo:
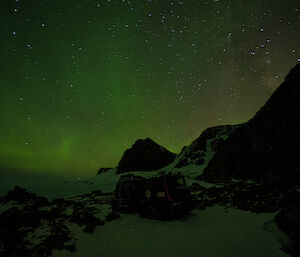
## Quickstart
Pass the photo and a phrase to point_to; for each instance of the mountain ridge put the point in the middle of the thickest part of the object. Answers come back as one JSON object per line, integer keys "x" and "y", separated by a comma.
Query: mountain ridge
{"x": 266, "y": 148}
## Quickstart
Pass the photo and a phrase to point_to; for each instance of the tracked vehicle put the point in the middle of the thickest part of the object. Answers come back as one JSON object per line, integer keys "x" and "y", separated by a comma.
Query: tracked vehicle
{"x": 161, "y": 197}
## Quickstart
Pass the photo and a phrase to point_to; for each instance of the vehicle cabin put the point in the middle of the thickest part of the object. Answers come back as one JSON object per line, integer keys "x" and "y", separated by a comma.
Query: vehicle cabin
{"x": 161, "y": 197}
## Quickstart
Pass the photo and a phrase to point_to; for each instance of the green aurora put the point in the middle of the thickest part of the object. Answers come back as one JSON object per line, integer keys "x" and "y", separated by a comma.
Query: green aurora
{"x": 82, "y": 80}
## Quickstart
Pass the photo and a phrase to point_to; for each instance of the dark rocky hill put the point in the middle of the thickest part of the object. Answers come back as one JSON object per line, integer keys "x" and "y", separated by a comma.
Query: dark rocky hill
{"x": 201, "y": 150}
{"x": 267, "y": 147}
{"x": 145, "y": 155}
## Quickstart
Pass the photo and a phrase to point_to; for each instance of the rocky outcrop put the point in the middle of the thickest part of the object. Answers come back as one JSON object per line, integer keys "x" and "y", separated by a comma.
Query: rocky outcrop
{"x": 203, "y": 148}
{"x": 248, "y": 196}
{"x": 103, "y": 170}
{"x": 288, "y": 220}
{"x": 35, "y": 226}
{"x": 145, "y": 155}
{"x": 193, "y": 158}
{"x": 112, "y": 216}
{"x": 267, "y": 147}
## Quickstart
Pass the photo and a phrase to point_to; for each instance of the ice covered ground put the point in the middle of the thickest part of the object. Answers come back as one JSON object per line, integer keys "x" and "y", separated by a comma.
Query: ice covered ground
{"x": 214, "y": 232}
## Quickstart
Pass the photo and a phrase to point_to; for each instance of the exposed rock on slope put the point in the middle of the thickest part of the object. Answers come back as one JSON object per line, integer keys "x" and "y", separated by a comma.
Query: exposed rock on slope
{"x": 194, "y": 158}
{"x": 288, "y": 220}
{"x": 145, "y": 155}
{"x": 30, "y": 225}
{"x": 103, "y": 170}
{"x": 267, "y": 147}
{"x": 203, "y": 148}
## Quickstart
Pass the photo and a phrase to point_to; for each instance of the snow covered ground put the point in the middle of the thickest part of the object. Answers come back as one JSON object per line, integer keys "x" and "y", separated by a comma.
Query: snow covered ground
{"x": 214, "y": 232}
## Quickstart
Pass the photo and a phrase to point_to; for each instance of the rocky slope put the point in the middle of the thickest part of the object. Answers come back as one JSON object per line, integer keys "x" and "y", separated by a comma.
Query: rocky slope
{"x": 194, "y": 158}
{"x": 203, "y": 148}
{"x": 267, "y": 147}
{"x": 31, "y": 225}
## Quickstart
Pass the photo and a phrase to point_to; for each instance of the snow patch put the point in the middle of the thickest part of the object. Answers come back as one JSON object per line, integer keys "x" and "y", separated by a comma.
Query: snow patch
{"x": 214, "y": 232}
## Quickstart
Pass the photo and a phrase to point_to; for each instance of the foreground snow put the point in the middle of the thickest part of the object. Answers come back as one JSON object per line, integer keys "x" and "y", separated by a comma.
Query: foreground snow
{"x": 214, "y": 232}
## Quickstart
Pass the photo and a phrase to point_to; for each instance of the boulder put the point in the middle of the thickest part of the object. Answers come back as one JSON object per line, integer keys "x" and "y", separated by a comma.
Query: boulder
{"x": 112, "y": 216}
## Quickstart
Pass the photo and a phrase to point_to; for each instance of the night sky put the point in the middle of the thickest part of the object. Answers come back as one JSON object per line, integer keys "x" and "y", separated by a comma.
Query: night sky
{"x": 82, "y": 80}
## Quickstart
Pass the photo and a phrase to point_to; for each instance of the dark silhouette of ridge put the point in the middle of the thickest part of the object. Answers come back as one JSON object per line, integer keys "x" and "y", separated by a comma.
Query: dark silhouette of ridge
{"x": 145, "y": 155}
{"x": 267, "y": 147}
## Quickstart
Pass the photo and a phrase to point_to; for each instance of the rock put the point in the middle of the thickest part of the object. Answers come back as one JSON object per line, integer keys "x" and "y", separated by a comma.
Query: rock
{"x": 103, "y": 170}
{"x": 70, "y": 248}
{"x": 85, "y": 217}
{"x": 248, "y": 197}
{"x": 55, "y": 212}
{"x": 17, "y": 194}
{"x": 289, "y": 222}
{"x": 197, "y": 187}
{"x": 112, "y": 216}
{"x": 22, "y": 196}
{"x": 96, "y": 192}
{"x": 22, "y": 223}
{"x": 58, "y": 201}
{"x": 145, "y": 155}
{"x": 31, "y": 219}
{"x": 11, "y": 219}
{"x": 91, "y": 222}
{"x": 41, "y": 201}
